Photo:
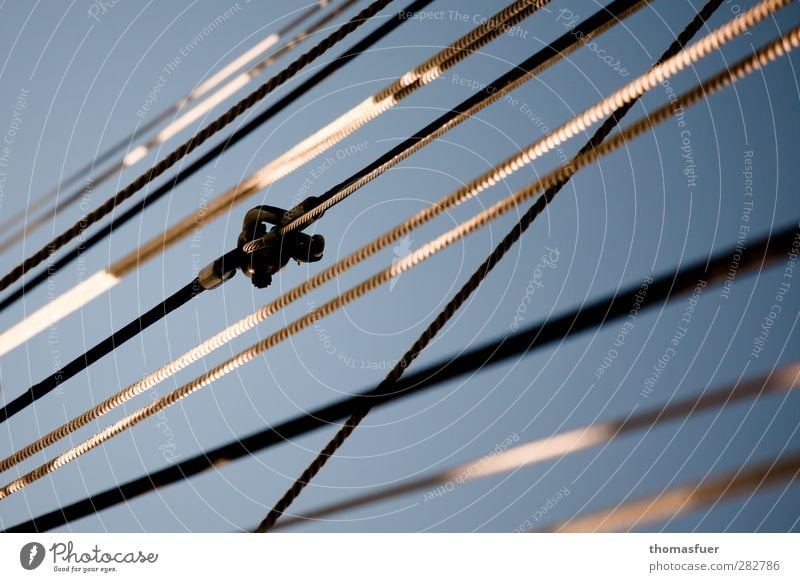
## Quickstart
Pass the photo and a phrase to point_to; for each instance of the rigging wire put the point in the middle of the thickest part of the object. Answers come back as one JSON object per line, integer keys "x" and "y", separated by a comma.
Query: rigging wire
{"x": 623, "y": 97}
{"x": 108, "y": 345}
{"x": 763, "y": 56}
{"x": 80, "y": 363}
{"x": 193, "y": 143}
{"x": 761, "y": 254}
{"x": 117, "y": 220}
{"x": 208, "y": 279}
{"x": 593, "y": 26}
{"x": 240, "y": 327}
{"x": 104, "y": 280}
{"x": 678, "y": 500}
{"x": 564, "y": 45}
{"x": 138, "y": 153}
{"x": 560, "y": 444}
{"x": 479, "y": 275}
{"x": 295, "y": 157}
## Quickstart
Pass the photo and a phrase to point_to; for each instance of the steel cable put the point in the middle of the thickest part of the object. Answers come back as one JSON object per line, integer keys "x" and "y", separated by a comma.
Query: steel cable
{"x": 233, "y": 331}
{"x": 117, "y": 220}
{"x": 472, "y": 284}
{"x": 271, "y": 172}
{"x": 125, "y": 143}
{"x": 760, "y": 58}
{"x": 197, "y": 139}
{"x": 555, "y": 446}
{"x": 761, "y": 254}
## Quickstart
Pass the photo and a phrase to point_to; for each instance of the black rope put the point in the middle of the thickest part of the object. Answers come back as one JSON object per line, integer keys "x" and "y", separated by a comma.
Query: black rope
{"x": 759, "y": 255}
{"x": 389, "y": 384}
{"x": 219, "y": 271}
{"x": 564, "y": 43}
{"x": 125, "y": 143}
{"x": 152, "y": 197}
{"x": 199, "y": 138}
{"x": 472, "y": 285}
{"x": 108, "y": 345}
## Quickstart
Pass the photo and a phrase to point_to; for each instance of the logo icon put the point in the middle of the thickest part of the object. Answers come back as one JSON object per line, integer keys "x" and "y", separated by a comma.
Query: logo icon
{"x": 31, "y": 555}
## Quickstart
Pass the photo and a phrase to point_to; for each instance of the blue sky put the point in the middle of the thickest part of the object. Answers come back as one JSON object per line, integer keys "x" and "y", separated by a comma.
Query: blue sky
{"x": 84, "y": 71}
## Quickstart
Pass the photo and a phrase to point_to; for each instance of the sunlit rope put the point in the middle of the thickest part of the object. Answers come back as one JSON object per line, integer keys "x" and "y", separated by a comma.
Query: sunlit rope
{"x": 213, "y": 153}
{"x": 234, "y": 331}
{"x": 596, "y": 24}
{"x": 766, "y": 54}
{"x": 204, "y": 87}
{"x": 104, "y": 280}
{"x": 194, "y": 142}
{"x": 681, "y": 499}
{"x": 519, "y": 456}
{"x": 239, "y": 82}
{"x": 331, "y": 134}
{"x": 476, "y": 279}
{"x": 424, "y": 339}
{"x": 300, "y": 154}
{"x": 760, "y": 254}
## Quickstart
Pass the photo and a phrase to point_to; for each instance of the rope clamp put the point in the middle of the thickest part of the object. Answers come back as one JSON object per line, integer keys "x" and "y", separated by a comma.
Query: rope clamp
{"x": 265, "y": 252}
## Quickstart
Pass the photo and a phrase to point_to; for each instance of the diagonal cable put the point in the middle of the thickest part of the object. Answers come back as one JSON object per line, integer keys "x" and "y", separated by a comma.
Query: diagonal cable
{"x": 472, "y": 284}
{"x": 759, "y": 255}
{"x": 185, "y": 149}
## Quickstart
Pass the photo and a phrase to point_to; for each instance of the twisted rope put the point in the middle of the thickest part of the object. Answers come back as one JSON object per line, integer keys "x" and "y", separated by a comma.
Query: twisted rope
{"x": 185, "y": 149}
{"x": 621, "y": 100}
{"x": 763, "y": 56}
{"x": 759, "y": 255}
{"x": 244, "y": 325}
{"x": 472, "y": 284}
{"x": 300, "y": 154}
{"x": 785, "y": 379}
{"x": 521, "y": 74}
{"x": 214, "y": 152}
